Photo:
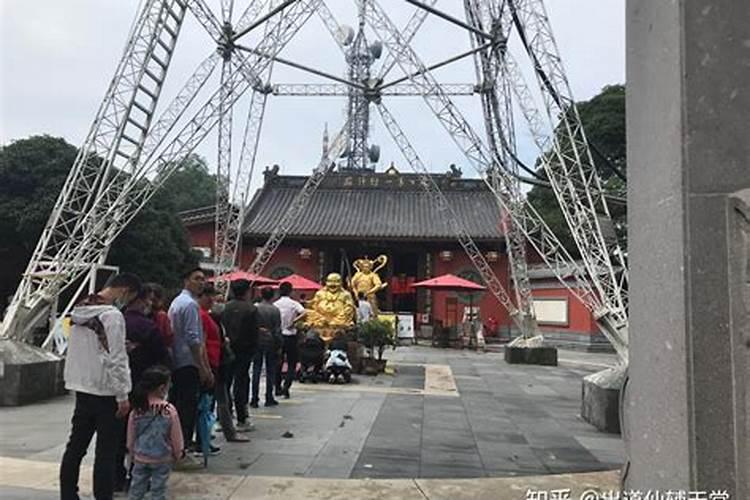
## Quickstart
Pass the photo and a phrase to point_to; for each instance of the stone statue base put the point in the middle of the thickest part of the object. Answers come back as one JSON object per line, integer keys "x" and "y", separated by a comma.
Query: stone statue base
{"x": 600, "y": 405}
{"x": 28, "y": 374}
{"x": 531, "y": 355}
{"x": 530, "y": 351}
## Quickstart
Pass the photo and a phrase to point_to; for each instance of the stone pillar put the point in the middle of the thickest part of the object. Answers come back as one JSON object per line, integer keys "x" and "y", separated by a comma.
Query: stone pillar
{"x": 688, "y": 84}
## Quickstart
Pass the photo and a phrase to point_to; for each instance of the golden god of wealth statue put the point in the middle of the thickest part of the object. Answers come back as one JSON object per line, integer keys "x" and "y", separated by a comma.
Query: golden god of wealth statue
{"x": 366, "y": 280}
{"x": 331, "y": 310}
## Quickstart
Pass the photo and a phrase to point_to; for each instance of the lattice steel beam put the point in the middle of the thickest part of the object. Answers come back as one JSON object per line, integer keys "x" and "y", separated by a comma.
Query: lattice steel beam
{"x": 179, "y": 105}
{"x": 113, "y": 144}
{"x": 233, "y": 215}
{"x": 332, "y": 25}
{"x": 94, "y": 221}
{"x": 572, "y": 171}
{"x": 223, "y": 170}
{"x": 498, "y": 125}
{"x": 446, "y": 213}
{"x": 408, "y": 32}
{"x": 339, "y": 90}
{"x": 299, "y": 204}
{"x": 251, "y": 14}
{"x": 545, "y": 243}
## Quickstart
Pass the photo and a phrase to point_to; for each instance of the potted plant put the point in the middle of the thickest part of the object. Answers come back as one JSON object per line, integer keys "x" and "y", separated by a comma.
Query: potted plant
{"x": 376, "y": 336}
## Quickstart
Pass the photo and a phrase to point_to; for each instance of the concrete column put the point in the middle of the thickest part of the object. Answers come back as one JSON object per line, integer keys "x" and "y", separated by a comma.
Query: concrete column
{"x": 688, "y": 84}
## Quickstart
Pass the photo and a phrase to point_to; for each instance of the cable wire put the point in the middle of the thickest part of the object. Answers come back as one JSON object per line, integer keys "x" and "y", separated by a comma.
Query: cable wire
{"x": 551, "y": 89}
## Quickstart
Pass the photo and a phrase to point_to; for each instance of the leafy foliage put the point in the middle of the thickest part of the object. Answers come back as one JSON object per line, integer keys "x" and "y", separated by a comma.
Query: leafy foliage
{"x": 155, "y": 245}
{"x": 32, "y": 171}
{"x": 603, "y": 119}
{"x": 377, "y": 334}
{"x": 191, "y": 186}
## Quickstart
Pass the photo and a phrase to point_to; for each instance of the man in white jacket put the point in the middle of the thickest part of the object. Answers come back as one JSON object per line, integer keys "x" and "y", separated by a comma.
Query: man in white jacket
{"x": 96, "y": 368}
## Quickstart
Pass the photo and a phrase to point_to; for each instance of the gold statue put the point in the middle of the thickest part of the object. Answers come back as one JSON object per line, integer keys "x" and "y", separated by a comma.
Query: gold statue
{"x": 331, "y": 310}
{"x": 366, "y": 279}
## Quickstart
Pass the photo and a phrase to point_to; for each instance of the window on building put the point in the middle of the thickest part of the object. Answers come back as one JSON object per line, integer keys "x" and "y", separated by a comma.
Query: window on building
{"x": 551, "y": 311}
{"x": 205, "y": 252}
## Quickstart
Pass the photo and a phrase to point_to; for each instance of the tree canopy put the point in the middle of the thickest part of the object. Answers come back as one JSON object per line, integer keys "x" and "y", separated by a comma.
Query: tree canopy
{"x": 603, "y": 118}
{"x": 154, "y": 245}
{"x": 32, "y": 171}
{"x": 191, "y": 186}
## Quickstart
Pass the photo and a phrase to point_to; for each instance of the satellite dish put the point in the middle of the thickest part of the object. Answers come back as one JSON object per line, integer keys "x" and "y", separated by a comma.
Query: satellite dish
{"x": 376, "y": 49}
{"x": 374, "y": 153}
{"x": 345, "y": 34}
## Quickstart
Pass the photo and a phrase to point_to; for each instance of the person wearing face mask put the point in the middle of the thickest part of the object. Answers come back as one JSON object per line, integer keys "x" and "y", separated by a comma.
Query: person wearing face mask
{"x": 157, "y": 312}
{"x": 144, "y": 342}
{"x": 97, "y": 370}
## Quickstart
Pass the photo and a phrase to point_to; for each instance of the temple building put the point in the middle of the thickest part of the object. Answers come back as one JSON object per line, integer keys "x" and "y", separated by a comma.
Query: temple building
{"x": 363, "y": 213}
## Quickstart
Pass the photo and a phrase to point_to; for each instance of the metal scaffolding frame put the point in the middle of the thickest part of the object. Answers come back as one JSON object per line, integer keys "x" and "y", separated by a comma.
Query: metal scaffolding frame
{"x": 129, "y": 153}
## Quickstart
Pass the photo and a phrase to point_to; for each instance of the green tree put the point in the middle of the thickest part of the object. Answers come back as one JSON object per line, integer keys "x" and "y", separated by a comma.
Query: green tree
{"x": 32, "y": 171}
{"x": 158, "y": 227}
{"x": 603, "y": 118}
{"x": 190, "y": 186}
{"x": 155, "y": 245}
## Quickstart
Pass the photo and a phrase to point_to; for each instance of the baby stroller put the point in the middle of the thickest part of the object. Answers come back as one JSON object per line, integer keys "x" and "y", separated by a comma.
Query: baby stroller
{"x": 311, "y": 356}
{"x": 337, "y": 364}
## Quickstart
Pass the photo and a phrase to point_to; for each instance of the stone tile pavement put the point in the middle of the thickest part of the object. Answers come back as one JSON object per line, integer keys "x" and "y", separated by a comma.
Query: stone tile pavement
{"x": 442, "y": 414}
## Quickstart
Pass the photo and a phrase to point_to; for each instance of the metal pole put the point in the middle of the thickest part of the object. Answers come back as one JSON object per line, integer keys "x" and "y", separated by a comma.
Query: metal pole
{"x": 450, "y": 19}
{"x": 302, "y": 67}
{"x": 438, "y": 65}
{"x": 263, "y": 19}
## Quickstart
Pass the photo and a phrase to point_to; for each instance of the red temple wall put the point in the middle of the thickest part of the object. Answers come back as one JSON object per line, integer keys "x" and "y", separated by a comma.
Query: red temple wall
{"x": 202, "y": 235}
{"x": 287, "y": 257}
{"x": 489, "y": 307}
{"x": 580, "y": 319}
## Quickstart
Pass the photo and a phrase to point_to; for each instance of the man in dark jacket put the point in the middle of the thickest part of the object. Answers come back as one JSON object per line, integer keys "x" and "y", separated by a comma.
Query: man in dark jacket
{"x": 144, "y": 341}
{"x": 269, "y": 343}
{"x": 145, "y": 346}
{"x": 240, "y": 320}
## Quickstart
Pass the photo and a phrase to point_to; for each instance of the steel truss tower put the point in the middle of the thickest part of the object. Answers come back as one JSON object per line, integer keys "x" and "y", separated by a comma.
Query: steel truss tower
{"x": 130, "y": 151}
{"x": 359, "y": 58}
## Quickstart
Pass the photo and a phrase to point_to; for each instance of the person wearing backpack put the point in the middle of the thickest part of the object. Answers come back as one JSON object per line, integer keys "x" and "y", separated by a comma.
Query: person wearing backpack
{"x": 97, "y": 370}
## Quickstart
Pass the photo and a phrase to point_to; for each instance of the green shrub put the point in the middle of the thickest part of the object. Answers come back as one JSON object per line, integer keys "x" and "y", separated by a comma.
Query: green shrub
{"x": 376, "y": 334}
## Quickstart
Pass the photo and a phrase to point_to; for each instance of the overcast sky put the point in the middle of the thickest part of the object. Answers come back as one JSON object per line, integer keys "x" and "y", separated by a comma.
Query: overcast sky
{"x": 57, "y": 57}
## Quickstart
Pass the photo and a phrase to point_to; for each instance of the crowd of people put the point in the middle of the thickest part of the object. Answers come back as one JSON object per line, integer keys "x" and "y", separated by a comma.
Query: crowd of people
{"x": 139, "y": 370}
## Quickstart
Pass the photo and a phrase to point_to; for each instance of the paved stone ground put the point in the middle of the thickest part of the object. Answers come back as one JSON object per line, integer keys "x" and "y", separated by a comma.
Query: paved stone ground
{"x": 508, "y": 420}
{"x": 503, "y": 421}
